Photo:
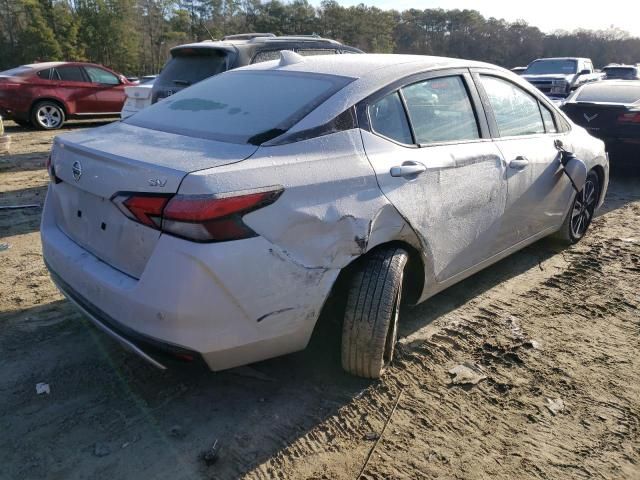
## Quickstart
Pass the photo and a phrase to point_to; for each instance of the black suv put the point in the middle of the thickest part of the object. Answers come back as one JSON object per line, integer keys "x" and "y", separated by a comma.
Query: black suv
{"x": 193, "y": 62}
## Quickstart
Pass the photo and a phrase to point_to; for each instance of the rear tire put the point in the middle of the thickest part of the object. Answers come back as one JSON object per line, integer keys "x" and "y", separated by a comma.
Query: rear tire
{"x": 47, "y": 115}
{"x": 370, "y": 327}
{"x": 581, "y": 213}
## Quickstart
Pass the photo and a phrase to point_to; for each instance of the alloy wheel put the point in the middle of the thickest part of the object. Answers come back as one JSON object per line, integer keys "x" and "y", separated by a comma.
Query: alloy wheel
{"x": 49, "y": 116}
{"x": 583, "y": 208}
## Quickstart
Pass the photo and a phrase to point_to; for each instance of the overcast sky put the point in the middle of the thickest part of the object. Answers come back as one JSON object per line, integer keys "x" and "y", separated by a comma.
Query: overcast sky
{"x": 548, "y": 15}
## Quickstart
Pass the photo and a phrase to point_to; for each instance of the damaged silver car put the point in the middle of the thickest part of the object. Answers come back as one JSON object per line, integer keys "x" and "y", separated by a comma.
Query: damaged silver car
{"x": 213, "y": 225}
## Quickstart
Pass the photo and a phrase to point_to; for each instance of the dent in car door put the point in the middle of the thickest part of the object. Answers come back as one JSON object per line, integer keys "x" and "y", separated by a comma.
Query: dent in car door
{"x": 451, "y": 192}
{"x": 537, "y": 191}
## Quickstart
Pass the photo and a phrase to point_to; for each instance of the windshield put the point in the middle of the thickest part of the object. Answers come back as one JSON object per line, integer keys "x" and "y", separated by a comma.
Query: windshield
{"x": 191, "y": 65}
{"x": 241, "y": 106}
{"x": 544, "y": 67}
{"x": 620, "y": 72}
{"x": 15, "y": 71}
{"x": 614, "y": 92}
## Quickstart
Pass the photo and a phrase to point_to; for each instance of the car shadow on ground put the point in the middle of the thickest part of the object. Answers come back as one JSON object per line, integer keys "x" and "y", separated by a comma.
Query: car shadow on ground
{"x": 23, "y": 162}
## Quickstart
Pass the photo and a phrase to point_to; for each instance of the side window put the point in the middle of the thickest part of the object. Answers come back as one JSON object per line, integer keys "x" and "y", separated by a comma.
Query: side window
{"x": 547, "y": 118}
{"x": 45, "y": 74}
{"x": 70, "y": 74}
{"x": 98, "y": 75}
{"x": 389, "y": 119}
{"x": 440, "y": 110}
{"x": 266, "y": 55}
{"x": 309, "y": 52}
{"x": 516, "y": 112}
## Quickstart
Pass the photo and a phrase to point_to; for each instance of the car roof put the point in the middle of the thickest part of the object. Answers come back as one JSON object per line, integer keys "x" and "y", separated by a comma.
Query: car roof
{"x": 228, "y": 42}
{"x": 561, "y": 58}
{"x": 359, "y": 66}
{"x": 44, "y": 65}
{"x": 370, "y": 73}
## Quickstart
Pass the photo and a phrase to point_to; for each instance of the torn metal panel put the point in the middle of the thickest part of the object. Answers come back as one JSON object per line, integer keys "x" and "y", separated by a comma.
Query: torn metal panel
{"x": 331, "y": 210}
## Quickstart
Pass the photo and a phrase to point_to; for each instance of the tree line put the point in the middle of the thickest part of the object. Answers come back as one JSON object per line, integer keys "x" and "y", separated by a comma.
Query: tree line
{"x": 134, "y": 36}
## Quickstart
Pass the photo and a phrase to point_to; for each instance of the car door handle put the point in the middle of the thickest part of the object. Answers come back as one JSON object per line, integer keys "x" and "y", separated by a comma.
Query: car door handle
{"x": 408, "y": 170}
{"x": 519, "y": 163}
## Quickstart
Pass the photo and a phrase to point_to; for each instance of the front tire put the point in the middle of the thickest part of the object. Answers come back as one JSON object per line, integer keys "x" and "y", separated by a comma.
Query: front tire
{"x": 47, "y": 115}
{"x": 580, "y": 215}
{"x": 370, "y": 327}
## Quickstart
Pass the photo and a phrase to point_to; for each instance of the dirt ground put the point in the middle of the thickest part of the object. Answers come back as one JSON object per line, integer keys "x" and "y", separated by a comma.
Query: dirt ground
{"x": 556, "y": 333}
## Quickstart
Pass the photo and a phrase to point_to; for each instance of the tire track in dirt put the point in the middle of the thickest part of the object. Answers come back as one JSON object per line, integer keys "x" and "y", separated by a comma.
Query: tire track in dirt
{"x": 573, "y": 335}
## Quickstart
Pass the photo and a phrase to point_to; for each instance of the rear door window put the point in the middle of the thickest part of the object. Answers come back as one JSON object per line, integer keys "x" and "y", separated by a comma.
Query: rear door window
{"x": 389, "y": 119}
{"x": 547, "y": 118}
{"x": 440, "y": 110}
{"x": 516, "y": 112}
{"x": 189, "y": 66}
{"x": 45, "y": 74}
{"x": 70, "y": 74}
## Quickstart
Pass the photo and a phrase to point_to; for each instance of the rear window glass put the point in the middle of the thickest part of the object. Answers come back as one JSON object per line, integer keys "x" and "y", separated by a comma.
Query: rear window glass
{"x": 15, "y": 71}
{"x": 241, "y": 106}
{"x": 620, "y": 72}
{"x": 190, "y": 66}
{"x": 603, "y": 92}
{"x": 266, "y": 56}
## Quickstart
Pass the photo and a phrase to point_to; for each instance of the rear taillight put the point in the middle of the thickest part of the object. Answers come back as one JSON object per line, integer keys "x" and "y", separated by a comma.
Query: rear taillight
{"x": 144, "y": 208}
{"x": 201, "y": 218}
{"x": 631, "y": 117}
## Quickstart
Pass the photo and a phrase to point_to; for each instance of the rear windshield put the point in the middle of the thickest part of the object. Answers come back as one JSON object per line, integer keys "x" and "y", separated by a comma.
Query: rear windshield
{"x": 16, "y": 71}
{"x": 543, "y": 67}
{"x": 189, "y": 66}
{"x": 241, "y": 106}
{"x": 620, "y": 72}
{"x": 603, "y": 92}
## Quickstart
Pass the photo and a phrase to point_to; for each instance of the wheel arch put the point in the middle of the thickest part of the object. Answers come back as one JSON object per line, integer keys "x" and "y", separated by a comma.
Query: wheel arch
{"x": 49, "y": 99}
{"x": 599, "y": 169}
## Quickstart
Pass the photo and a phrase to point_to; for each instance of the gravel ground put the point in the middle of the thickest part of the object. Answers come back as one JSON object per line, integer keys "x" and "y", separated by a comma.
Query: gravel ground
{"x": 551, "y": 336}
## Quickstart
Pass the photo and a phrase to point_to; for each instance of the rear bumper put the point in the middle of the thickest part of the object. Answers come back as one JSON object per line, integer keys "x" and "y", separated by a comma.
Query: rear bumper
{"x": 230, "y": 304}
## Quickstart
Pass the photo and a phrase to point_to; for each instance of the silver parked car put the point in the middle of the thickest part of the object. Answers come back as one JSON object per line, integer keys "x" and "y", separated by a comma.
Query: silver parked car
{"x": 213, "y": 225}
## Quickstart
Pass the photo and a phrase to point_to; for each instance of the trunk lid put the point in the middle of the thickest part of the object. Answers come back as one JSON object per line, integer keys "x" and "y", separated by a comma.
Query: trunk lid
{"x": 599, "y": 120}
{"x": 94, "y": 165}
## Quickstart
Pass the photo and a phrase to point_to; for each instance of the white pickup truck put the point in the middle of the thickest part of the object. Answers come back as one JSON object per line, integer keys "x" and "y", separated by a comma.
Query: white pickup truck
{"x": 558, "y": 77}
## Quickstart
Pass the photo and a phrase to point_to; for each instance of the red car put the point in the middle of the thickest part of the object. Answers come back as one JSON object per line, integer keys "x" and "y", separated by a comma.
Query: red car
{"x": 44, "y": 95}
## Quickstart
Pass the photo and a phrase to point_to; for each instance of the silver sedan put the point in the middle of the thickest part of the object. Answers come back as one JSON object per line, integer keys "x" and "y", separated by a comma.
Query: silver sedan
{"x": 214, "y": 225}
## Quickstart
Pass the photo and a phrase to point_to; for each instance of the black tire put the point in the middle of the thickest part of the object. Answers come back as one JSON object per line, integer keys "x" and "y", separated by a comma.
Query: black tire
{"x": 47, "y": 115}
{"x": 580, "y": 215}
{"x": 369, "y": 331}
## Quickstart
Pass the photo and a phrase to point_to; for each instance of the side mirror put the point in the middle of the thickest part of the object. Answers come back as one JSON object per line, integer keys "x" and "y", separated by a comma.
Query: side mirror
{"x": 584, "y": 72}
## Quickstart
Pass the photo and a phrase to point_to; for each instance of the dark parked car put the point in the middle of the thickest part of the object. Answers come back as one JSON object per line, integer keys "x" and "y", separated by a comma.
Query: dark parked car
{"x": 609, "y": 110}
{"x": 194, "y": 62}
{"x": 44, "y": 95}
{"x": 621, "y": 72}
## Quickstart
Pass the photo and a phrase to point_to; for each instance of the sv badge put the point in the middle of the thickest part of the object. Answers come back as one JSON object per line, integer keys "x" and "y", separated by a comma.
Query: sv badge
{"x": 157, "y": 182}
